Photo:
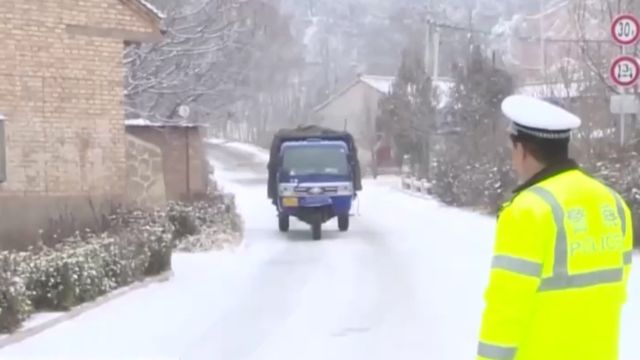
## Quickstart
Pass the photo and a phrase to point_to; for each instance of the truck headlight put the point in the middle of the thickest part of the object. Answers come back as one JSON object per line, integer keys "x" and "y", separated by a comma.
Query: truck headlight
{"x": 347, "y": 188}
{"x": 286, "y": 190}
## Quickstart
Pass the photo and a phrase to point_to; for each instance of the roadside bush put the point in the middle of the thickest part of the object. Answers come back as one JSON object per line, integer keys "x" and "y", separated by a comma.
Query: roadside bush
{"x": 149, "y": 235}
{"x": 81, "y": 269}
{"x": 15, "y": 306}
{"x": 207, "y": 224}
{"x": 135, "y": 244}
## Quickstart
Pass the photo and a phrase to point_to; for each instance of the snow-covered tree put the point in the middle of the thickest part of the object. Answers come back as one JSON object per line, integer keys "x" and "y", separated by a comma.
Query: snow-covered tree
{"x": 215, "y": 54}
{"x": 470, "y": 164}
{"x": 408, "y": 114}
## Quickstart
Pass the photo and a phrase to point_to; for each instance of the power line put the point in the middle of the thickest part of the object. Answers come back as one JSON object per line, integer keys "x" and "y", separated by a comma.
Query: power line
{"x": 520, "y": 37}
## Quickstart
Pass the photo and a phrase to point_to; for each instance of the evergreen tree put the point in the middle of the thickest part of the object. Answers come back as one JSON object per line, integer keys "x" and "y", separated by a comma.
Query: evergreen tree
{"x": 407, "y": 113}
{"x": 473, "y": 168}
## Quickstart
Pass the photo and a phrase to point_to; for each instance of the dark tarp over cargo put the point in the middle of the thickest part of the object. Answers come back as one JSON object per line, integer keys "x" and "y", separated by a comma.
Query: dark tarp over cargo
{"x": 306, "y": 132}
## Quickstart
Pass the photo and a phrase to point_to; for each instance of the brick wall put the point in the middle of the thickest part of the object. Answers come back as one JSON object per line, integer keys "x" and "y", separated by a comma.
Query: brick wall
{"x": 145, "y": 174}
{"x": 62, "y": 94}
{"x": 182, "y": 182}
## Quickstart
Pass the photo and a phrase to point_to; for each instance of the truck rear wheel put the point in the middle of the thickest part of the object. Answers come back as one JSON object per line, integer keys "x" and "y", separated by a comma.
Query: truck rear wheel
{"x": 283, "y": 223}
{"x": 316, "y": 230}
{"x": 343, "y": 222}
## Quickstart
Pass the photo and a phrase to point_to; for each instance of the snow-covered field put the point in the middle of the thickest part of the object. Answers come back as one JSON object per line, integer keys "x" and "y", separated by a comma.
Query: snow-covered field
{"x": 405, "y": 282}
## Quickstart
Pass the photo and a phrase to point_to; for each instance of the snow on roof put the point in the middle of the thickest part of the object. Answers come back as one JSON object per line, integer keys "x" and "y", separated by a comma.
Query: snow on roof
{"x": 380, "y": 83}
{"x": 151, "y": 8}
{"x": 559, "y": 90}
{"x": 384, "y": 84}
{"x": 148, "y": 123}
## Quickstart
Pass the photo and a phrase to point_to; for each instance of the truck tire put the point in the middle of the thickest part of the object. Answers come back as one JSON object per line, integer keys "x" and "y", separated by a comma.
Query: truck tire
{"x": 283, "y": 223}
{"x": 316, "y": 230}
{"x": 343, "y": 222}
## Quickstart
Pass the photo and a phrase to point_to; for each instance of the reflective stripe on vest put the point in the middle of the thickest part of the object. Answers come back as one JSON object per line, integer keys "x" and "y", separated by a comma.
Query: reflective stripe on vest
{"x": 561, "y": 280}
{"x": 496, "y": 352}
{"x": 517, "y": 265}
{"x": 621, "y": 215}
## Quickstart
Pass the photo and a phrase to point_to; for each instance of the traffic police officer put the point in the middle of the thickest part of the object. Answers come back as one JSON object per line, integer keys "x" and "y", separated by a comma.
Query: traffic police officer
{"x": 562, "y": 251}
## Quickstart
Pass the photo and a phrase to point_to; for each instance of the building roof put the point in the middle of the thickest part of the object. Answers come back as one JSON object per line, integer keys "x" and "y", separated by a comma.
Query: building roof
{"x": 151, "y": 8}
{"x": 379, "y": 83}
{"x": 147, "y": 10}
{"x": 384, "y": 85}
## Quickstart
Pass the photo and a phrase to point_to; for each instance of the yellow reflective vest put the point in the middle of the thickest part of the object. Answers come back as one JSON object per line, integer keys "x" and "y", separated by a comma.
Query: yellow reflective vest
{"x": 559, "y": 273}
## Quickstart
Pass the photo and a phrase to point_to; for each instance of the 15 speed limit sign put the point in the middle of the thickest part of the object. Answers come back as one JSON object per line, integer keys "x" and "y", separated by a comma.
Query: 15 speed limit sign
{"x": 625, "y": 70}
{"x": 625, "y": 30}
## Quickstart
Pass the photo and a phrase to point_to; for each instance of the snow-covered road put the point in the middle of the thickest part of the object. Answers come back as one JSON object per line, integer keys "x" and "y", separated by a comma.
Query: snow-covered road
{"x": 405, "y": 282}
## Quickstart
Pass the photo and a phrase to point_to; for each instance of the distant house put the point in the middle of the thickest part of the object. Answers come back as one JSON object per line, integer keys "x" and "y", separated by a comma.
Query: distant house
{"x": 355, "y": 109}
{"x": 165, "y": 162}
{"x": 61, "y": 91}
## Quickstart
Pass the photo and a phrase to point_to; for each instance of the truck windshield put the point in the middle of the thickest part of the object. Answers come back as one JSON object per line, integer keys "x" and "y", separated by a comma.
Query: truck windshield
{"x": 301, "y": 160}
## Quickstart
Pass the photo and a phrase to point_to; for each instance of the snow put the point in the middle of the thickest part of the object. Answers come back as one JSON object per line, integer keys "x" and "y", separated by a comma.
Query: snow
{"x": 443, "y": 89}
{"x": 153, "y": 322}
{"x": 37, "y": 319}
{"x": 159, "y": 14}
{"x": 559, "y": 90}
{"x": 380, "y": 83}
{"x": 149, "y": 123}
{"x": 257, "y": 152}
{"x": 311, "y": 31}
{"x": 406, "y": 282}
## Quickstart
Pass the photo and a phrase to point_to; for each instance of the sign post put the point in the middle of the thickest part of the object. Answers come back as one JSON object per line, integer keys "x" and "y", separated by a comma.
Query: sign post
{"x": 625, "y": 70}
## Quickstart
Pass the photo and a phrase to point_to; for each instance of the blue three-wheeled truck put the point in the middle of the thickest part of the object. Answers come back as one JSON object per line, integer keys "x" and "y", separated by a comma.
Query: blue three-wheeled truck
{"x": 314, "y": 175}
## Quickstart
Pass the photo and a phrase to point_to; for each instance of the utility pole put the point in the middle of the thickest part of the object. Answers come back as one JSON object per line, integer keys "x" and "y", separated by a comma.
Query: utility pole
{"x": 436, "y": 54}
{"x": 432, "y": 50}
{"x": 427, "y": 47}
{"x": 543, "y": 44}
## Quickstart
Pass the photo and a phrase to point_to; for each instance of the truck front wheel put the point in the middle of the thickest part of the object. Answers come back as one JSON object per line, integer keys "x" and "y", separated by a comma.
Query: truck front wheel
{"x": 316, "y": 230}
{"x": 343, "y": 222}
{"x": 283, "y": 222}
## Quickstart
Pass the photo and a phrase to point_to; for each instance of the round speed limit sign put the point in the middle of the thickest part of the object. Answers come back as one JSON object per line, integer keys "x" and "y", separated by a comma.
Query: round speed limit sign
{"x": 625, "y": 30}
{"x": 625, "y": 71}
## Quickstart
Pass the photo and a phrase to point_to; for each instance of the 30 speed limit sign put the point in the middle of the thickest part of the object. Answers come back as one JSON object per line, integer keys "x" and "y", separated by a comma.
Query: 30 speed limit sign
{"x": 625, "y": 70}
{"x": 625, "y": 30}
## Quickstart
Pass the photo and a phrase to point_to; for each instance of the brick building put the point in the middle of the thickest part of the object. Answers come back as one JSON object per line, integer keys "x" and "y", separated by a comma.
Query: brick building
{"x": 61, "y": 91}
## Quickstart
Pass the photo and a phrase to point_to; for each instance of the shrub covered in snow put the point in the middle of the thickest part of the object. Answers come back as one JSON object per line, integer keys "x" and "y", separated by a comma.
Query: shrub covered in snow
{"x": 136, "y": 244}
{"x": 470, "y": 164}
{"x": 206, "y": 224}
{"x": 149, "y": 235}
{"x": 15, "y": 306}
{"x": 622, "y": 173}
